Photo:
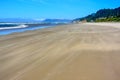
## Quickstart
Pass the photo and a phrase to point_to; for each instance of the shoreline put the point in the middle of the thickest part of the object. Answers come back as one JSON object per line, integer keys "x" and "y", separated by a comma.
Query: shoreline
{"x": 111, "y": 24}
{"x": 22, "y": 29}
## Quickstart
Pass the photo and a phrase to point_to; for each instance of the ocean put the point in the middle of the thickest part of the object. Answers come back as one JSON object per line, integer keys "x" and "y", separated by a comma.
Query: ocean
{"x": 8, "y": 28}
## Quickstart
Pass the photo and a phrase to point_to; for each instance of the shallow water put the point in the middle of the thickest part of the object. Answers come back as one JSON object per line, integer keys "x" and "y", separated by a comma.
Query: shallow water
{"x": 14, "y": 30}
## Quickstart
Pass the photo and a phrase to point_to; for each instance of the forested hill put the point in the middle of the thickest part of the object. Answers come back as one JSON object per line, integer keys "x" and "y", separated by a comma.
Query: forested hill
{"x": 102, "y": 15}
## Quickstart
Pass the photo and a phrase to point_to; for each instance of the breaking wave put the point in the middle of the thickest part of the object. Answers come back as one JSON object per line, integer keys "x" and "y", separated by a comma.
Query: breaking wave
{"x": 11, "y": 26}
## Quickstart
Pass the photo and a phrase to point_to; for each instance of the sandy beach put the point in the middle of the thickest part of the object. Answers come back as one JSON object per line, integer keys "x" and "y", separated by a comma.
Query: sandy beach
{"x": 86, "y": 51}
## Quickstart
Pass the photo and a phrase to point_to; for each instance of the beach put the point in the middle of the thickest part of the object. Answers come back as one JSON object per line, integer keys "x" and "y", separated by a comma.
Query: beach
{"x": 84, "y": 51}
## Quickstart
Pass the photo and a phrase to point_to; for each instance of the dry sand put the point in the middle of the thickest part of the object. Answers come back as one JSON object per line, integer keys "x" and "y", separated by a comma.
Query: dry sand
{"x": 69, "y": 52}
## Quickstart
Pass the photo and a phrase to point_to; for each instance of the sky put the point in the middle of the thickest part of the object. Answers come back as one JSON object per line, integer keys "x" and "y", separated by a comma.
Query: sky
{"x": 63, "y": 9}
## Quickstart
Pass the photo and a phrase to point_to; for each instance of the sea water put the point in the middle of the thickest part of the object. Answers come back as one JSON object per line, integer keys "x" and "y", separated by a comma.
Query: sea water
{"x": 8, "y": 28}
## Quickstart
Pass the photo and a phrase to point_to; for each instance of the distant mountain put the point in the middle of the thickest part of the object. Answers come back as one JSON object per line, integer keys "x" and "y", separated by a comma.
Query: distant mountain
{"x": 57, "y": 20}
{"x": 102, "y": 16}
{"x": 20, "y": 20}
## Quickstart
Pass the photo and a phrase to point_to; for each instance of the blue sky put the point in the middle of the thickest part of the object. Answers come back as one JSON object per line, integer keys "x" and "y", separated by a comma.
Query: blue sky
{"x": 40, "y": 9}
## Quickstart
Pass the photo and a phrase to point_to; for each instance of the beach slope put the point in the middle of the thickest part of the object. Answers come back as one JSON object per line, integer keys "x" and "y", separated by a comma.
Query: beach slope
{"x": 88, "y": 51}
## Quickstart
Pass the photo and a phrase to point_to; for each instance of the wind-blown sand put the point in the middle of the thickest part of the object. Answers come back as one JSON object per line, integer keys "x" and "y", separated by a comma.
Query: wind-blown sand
{"x": 70, "y": 52}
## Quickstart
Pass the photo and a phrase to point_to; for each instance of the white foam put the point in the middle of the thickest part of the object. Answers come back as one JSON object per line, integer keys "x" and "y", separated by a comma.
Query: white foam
{"x": 20, "y": 26}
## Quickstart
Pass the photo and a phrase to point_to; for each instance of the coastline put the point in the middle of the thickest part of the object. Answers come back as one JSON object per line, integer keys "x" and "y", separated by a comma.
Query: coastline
{"x": 86, "y": 51}
{"x": 22, "y": 28}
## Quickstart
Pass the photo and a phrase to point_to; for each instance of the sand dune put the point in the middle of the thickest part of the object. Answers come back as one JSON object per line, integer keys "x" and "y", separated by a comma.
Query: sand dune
{"x": 69, "y": 52}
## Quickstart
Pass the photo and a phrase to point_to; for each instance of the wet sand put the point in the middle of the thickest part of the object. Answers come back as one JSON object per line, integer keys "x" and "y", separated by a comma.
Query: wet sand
{"x": 70, "y": 52}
